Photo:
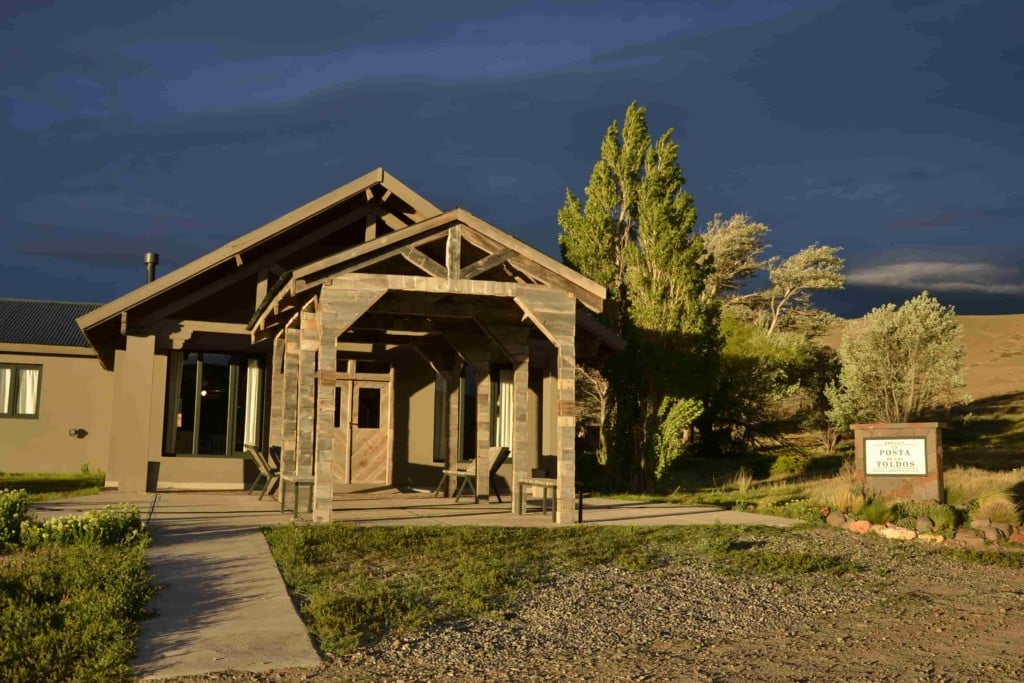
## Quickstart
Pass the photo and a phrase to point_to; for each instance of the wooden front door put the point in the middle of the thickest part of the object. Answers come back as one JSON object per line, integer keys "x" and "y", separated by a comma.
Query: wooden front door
{"x": 369, "y": 460}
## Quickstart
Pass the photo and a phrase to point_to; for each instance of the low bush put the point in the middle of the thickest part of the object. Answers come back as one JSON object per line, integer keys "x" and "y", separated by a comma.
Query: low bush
{"x": 877, "y": 511}
{"x": 69, "y": 613}
{"x": 945, "y": 517}
{"x": 789, "y": 465}
{"x": 107, "y": 526}
{"x": 13, "y": 513}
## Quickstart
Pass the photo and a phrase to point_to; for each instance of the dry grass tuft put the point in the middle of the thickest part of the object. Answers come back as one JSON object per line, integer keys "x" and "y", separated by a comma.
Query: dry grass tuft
{"x": 999, "y": 508}
{"x": 967, "y": 484}
{"x": 742, "y": 480}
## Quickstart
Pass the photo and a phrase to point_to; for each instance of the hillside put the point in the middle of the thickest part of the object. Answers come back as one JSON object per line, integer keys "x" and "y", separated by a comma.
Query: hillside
{"x": 995, "y": 353}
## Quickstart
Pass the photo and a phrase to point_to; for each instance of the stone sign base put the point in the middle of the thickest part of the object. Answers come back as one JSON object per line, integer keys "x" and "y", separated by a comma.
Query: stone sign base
{"x": 900, "y": 461}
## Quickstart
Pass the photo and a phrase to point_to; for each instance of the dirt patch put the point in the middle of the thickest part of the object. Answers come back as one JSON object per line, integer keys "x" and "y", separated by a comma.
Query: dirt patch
{"x": 901, "y": 611}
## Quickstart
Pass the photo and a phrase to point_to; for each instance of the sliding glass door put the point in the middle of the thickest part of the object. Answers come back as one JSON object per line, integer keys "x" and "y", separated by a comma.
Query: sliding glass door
{"x": 214, "y": 403}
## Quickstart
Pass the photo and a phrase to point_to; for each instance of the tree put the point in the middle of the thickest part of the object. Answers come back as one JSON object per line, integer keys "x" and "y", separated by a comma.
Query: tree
{"x": 734, "y": 246}
{"x": 899, "y": 363}
{"x": 634, "y": 234}
{"x": 792, "y": 280}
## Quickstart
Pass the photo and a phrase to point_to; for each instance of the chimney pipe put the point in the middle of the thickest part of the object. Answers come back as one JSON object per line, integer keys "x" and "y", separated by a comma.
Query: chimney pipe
{"x": 151, "y": 259}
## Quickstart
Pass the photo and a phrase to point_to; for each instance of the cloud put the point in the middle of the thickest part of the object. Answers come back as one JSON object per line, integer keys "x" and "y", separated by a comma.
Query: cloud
{"x": 942, "y": 276}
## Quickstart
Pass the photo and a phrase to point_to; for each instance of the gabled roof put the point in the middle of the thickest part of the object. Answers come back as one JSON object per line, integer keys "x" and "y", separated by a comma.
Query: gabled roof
{"x": 495, "y": 246}
{"x": 44, "y": 323}
{"x": 237, "y": 248}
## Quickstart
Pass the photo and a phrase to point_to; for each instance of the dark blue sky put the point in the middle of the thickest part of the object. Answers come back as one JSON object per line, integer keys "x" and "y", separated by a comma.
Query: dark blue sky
{"x": 892, "y": 129}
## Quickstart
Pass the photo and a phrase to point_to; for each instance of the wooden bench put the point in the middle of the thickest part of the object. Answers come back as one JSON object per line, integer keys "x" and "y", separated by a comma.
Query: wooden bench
{"x": 297, "y": 481}
{"x": 546, "y": 484}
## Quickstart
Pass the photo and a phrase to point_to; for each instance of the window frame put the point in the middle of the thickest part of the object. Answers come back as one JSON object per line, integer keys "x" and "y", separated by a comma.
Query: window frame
{"x": 173, "y": 395}
{"x": 10, "y": 410}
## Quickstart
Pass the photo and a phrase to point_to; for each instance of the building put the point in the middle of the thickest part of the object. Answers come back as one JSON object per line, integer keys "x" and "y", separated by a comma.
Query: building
{"x": 369, "y": 336}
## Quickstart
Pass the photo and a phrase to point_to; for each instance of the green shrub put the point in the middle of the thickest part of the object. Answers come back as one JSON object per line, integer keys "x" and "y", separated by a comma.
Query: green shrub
{"x": 13, "y": 512}
{"x": 944, "y": 517}
{"x": 877, "y": 511}
{"x": 108, "y": 526}
{"x": 792, "y": 464}
{"x": 70, "y": 613}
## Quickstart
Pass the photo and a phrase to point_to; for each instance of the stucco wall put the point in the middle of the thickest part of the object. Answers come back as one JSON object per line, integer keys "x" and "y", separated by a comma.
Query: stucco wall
{"x": 74, "y": 393}
{"x": 414, "y": 422}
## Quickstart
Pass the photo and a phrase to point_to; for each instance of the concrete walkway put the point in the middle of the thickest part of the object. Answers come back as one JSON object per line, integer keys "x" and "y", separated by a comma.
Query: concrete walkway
{"x": 222, "y": 604}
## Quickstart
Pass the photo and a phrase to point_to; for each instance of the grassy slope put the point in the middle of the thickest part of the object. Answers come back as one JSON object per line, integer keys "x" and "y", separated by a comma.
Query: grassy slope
{"x": 992, "y": 435}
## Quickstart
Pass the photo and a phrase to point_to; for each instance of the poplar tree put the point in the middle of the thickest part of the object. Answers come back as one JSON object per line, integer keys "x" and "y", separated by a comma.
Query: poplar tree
{"x": 634, "y": 234}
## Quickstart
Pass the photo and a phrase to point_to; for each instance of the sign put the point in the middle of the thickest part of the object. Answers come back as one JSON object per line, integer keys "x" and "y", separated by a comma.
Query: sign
{"x": 900, "y": 457}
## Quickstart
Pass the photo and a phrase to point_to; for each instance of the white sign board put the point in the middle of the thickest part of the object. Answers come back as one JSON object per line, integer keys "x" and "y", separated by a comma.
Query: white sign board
{"x": 895, "y": 456}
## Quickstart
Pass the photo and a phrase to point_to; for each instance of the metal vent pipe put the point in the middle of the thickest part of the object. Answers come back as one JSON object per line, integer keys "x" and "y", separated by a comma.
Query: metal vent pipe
{"x": 151, "y": 259}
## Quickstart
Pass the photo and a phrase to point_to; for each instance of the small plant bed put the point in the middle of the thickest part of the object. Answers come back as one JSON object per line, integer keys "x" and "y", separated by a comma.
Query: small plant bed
{"x": 357, "y": 585}
{"x": 72, "y": 590}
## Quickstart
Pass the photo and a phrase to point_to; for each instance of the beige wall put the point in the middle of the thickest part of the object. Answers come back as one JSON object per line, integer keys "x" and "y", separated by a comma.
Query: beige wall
{"x": 413, "y": 446}
{"x": 196, "y": 473}
{"x": 74, "y": 393}
{"x": 138, "y": 375}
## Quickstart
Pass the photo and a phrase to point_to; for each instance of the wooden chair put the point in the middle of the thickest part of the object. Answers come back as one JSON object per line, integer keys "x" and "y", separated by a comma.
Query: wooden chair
{"x": 466, "y": 476}
{"x": 269, "y": 470}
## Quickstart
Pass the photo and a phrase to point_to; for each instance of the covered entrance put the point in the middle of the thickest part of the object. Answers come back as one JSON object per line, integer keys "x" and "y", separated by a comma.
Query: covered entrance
{"x": 471, "y": 302}
{"x": 362, "y": 418}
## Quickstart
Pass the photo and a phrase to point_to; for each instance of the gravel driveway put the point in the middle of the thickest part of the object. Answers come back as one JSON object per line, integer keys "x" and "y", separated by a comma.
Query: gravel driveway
{"x": 908, "y": 612}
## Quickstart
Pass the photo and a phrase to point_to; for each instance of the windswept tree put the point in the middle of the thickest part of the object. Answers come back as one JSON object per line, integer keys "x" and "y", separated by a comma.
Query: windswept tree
{"x": 898, "y": 364}
{"x": 813, "y": 268}
{"x": 634, "y": 234}
{"x": 734, "y": 247}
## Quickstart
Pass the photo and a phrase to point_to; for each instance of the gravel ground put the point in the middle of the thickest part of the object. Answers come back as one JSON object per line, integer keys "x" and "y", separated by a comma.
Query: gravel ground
{"x": 908, "y": 613}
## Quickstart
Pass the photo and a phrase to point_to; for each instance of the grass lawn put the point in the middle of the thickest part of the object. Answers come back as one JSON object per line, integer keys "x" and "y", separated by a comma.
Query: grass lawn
{"x": 46, "y": 486}
{"x": 355, "y": 585}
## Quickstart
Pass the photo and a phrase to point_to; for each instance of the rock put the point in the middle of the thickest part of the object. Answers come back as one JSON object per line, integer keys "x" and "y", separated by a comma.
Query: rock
{"x": 861, "y": 526}
{"x": 836, "y": 519}
{"x": 924, "y": 525}
{"x": 969, "y": 537}
{"x": 898, "y": 533}
{"x": 1004, "y": 529}
{"x": 992, "y": 533}
{"x": 980, "y": 523}
{"x": 931, "y": 538}
{"x": 1016, "y": 537}
{"x": 877, "y": 527}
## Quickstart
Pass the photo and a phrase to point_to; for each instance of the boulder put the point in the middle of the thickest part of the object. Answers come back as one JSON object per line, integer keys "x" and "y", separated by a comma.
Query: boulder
{"x": 861, "y": 526}
{"x": 836, "y": 519}
{"x": 931, "y": 538}
{"x": 898, "y": 533}
{"x": 980, "y": 523}
{"x": 969, "y": 537}
{"x": 1004, "y": 529}
{"x": 992, "y": 533}
{"x": 1016, "y": 537}
{"x": 924, "y": 525}
{"x": 878, "y": 527}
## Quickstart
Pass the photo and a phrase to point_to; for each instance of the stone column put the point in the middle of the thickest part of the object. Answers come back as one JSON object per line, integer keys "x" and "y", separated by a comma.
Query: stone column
{"x": 483, "y": 428}
{"x": 289, "y": 400}
{"x": 309, "y": 343}
{"x": 554, "y": 314}
{"x": 275, "y": 429}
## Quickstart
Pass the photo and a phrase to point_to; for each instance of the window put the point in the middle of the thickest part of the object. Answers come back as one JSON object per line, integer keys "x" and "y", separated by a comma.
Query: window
{"x": 502, "y": 416}
{"x": 369, "y": 408}
{"x": 214, "y": 403}
{"x": 19, "y": 390}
